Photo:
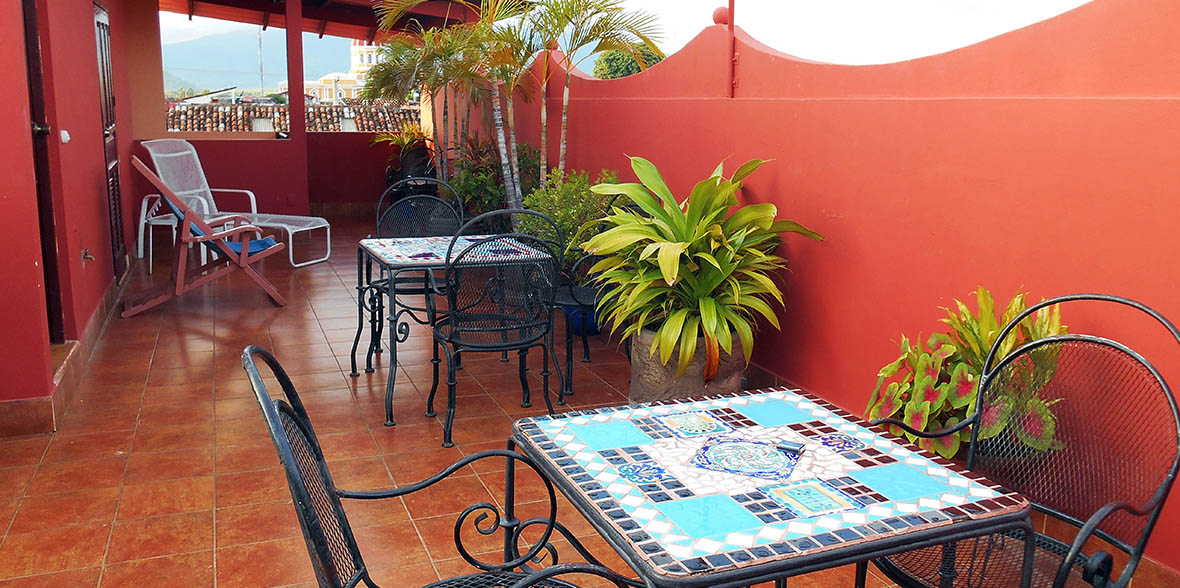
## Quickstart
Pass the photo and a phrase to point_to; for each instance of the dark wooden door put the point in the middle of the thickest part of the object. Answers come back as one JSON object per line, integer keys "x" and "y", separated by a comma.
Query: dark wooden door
{"x": 41, "y": 133}
{"x": 106, "y": 91}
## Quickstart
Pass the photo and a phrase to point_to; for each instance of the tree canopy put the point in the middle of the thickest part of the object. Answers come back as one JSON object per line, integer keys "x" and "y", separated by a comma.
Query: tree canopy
{"x": 616, "y": 64}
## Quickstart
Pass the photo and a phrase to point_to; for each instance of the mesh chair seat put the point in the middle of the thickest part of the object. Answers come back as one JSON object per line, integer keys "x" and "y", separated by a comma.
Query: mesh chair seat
{"x": 256, "y": 245}
{"x": 985, "y": 562}
{"x": 493, "y": 332}
{"x": 494, "y": 580}
{"x": 576, "y": 296}
{"x": 286, "y": 221}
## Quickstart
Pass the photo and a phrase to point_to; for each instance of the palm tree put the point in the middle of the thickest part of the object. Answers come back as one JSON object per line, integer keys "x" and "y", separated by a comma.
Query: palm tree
{"x": 515, "y": 45}
{"x": 598, "y": 25}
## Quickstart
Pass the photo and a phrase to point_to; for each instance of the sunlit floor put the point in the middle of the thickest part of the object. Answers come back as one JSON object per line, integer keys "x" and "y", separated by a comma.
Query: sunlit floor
{"x": 162, "y": 473}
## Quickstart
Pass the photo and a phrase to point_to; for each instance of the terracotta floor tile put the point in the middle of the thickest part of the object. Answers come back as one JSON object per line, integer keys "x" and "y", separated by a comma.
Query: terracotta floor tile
{"x": 449, "y": 496}
{"x": 169, "y": 465}
{"x": 53, "y": 550}
{"x": 367, "y": 513}
{"x": 366, "y": 473}
{"x": 166, "y": 535}
{"x": 178, "y": 394}
{"x": 14, "y": 481}
{"x": 92, "y": 446}
{"x": 408, "y": 438}
{"x": 391, "y": 545}
{"x": 286, "y": 562}
{"x": 249, "y": 456}
{"x": 192, "y": 570}
{"x": 173, "y": 437}
{"x": 68, "y": 476}
{"x": 163, "y": 414}
{"x": 408, "y": 468}
{"x": 166, "y": 497}
{"x": 41, "y": 513}
{"x": 85, "y": 421}
{"x": 7, "y": 509}
{"x": 411, "y": 575}
{"x": 249, "y": 487}
{"x": 252, "y": 523}
{"x": 23, "y": 451}
{"x": 87, "y": 578}
{"x": 353, "y": 444}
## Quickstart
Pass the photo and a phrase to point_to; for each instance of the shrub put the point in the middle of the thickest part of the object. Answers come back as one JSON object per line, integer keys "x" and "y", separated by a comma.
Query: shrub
{"x": 571, "y": 204}
{"x": 478, "y": 176}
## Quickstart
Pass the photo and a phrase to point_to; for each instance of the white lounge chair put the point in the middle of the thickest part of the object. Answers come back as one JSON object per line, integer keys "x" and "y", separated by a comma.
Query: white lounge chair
{"x": 178, "y": 166}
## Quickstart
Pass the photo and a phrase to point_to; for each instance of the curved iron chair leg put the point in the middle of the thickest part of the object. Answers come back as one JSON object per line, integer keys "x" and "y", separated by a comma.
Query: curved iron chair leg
{"x": 447, "y": 442}
{"x": 434, "y": 361}
{"x": 862, "y": 572}
{"x": 568, "y": 388}
{"x": 360, "y": 304}
{"x": 390, "y": 378}
{"x": 526, "y": 396}
{"x": 546, "y": 343}
{"x": 585, "y": 339}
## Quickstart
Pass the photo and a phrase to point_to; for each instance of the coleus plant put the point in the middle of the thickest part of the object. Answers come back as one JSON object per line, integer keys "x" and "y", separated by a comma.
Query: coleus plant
{"x": 933, "y": 386}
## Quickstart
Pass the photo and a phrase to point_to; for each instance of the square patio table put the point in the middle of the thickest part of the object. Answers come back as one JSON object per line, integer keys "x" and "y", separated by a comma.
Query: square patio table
{"x": 715, "y": 492}
{"x": 395, "y": 256}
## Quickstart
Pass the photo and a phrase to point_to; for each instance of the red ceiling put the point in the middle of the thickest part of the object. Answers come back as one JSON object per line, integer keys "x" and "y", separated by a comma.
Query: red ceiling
{"x": 342, "y": 18}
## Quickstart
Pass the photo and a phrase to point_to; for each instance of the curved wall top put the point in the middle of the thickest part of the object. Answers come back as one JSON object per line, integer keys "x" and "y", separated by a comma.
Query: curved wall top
{"x": 1104, "y": 48}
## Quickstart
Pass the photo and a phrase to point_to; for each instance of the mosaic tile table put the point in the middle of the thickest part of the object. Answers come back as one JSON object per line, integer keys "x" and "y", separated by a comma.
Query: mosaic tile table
{"x": 409, "y": 255}
{"x": 714, "y": 491}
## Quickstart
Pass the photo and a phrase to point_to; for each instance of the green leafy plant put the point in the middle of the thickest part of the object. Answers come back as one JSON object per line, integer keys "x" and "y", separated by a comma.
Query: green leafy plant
{"x": 933, "y": 386}
{"x": 478, "y": 178}
{"x": 404, "y": 137}
{"x": 570, "y": 203}
{"x": 690, "y": 268}
{"x": 616, "y": 64}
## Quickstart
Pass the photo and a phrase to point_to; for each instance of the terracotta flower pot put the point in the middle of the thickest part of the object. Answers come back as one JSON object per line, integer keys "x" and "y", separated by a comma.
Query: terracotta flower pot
{"x": 652, "y": 381}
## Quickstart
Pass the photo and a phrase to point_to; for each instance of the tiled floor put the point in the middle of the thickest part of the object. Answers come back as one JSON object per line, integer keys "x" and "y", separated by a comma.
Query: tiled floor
{"x": 162, "y": 474}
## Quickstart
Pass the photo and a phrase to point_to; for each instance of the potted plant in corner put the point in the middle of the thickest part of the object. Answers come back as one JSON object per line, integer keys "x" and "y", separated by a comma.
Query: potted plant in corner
{"x": 688, "y": 277}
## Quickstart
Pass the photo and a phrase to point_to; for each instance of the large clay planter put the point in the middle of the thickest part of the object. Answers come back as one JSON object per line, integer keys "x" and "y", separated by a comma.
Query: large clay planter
{"x": 651, "y": 381}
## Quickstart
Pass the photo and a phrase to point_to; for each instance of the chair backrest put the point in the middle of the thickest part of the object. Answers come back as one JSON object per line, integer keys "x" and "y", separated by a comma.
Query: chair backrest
{"x": 177, "y": 205}
{"x": 178, "y": 166}
{"x": 1075, "y": 422}
{"x": 500, "y": 288}
{"x": 330, "y": 542}
{"x": 420, "y": 186}
{"x": 419, "y": 216}
{"x": 517, "y": 220}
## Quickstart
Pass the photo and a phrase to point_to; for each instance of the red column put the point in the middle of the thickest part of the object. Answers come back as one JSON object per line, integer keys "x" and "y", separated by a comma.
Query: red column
{"x": 296, "y": 202}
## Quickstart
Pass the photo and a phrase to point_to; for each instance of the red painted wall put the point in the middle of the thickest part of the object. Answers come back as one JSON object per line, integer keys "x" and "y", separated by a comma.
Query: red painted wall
{"x": 1042, "y": 160}
{"x": 25, "y": 343}
{"x": 343, "y": 167}
{"x": 268, "y": 167}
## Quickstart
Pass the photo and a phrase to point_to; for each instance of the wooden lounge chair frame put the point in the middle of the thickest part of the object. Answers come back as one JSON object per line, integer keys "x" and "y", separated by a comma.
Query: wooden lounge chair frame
{"x": 224, "y": 260}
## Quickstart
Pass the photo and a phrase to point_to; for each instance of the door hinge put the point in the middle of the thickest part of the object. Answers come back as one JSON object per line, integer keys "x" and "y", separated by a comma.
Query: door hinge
{"x": 41, "y": 128}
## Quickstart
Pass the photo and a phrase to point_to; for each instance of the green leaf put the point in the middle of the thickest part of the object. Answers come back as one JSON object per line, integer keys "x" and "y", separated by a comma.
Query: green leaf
{"x": 995, "y": 417}
{"x": 1035, "y": 424}
{"x": 669, "y": 334}
{"x": 916, "y": 416}
{"x": 746, "y": 169}
{"x": 669, "y": 259}
{"x": 688, "y": 343}
{"x": 709, "y": 315}
{"x": 789, "y": 226}
{"x": 650, "y": 176}
{"x": 961, "y": 389}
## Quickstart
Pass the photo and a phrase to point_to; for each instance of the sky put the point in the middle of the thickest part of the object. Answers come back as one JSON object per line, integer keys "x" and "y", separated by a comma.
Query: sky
{"x": 853, "y": 32}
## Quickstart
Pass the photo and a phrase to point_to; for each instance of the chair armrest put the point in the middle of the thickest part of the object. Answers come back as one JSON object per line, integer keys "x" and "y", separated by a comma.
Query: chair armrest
{"x": 228, "y": 218}
{"x": 543, "y": 574}
{"x": 226, "y": 234}
{"x": 1102, "y": 566}
{"x": 924, "y": 434}
{"x": 248, "y": 193}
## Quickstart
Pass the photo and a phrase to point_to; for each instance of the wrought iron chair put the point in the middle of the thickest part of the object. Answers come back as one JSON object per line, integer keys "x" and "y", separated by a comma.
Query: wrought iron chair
{"x": 336, "y": 556}
{"x": 410, "y": 215}
{"x": 231, "y": 249}
{"x": 499, "y": 295}
{"x": 1112, "y": 456}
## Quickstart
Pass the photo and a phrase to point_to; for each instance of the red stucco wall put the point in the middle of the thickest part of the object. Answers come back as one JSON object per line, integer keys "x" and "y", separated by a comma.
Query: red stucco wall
{"x": 25, "y": 341}
{"x": 1043, "y": 160}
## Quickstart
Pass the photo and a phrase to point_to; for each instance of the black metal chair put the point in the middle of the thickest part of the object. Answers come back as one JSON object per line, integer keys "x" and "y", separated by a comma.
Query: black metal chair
{"x": 1103, "y": 429}
{"x": 499, "y": 294}
{"x": 335, "y": 555}
{"x": 413, "y": 215}
{"x": 417, "y": 186}
{"x": 577, "y": 294}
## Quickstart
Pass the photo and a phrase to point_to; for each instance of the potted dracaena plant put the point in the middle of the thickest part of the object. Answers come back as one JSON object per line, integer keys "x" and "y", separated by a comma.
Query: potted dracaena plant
{"x": 934, "y": 387}
{"x": 689, "y": 277}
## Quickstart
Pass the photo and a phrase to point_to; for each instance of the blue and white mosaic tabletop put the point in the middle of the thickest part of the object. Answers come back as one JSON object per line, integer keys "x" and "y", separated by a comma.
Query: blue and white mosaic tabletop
{"x": 706, "y": 485}
{"x": 430, "y": 251}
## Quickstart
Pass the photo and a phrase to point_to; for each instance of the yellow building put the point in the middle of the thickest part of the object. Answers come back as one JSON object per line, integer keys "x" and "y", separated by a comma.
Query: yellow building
{"x": 337, "y": 86}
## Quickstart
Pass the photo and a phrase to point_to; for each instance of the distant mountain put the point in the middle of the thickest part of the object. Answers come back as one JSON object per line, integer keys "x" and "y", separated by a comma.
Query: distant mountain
{"x": 174, "y": 82}
{"x": 231, "y": 59}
